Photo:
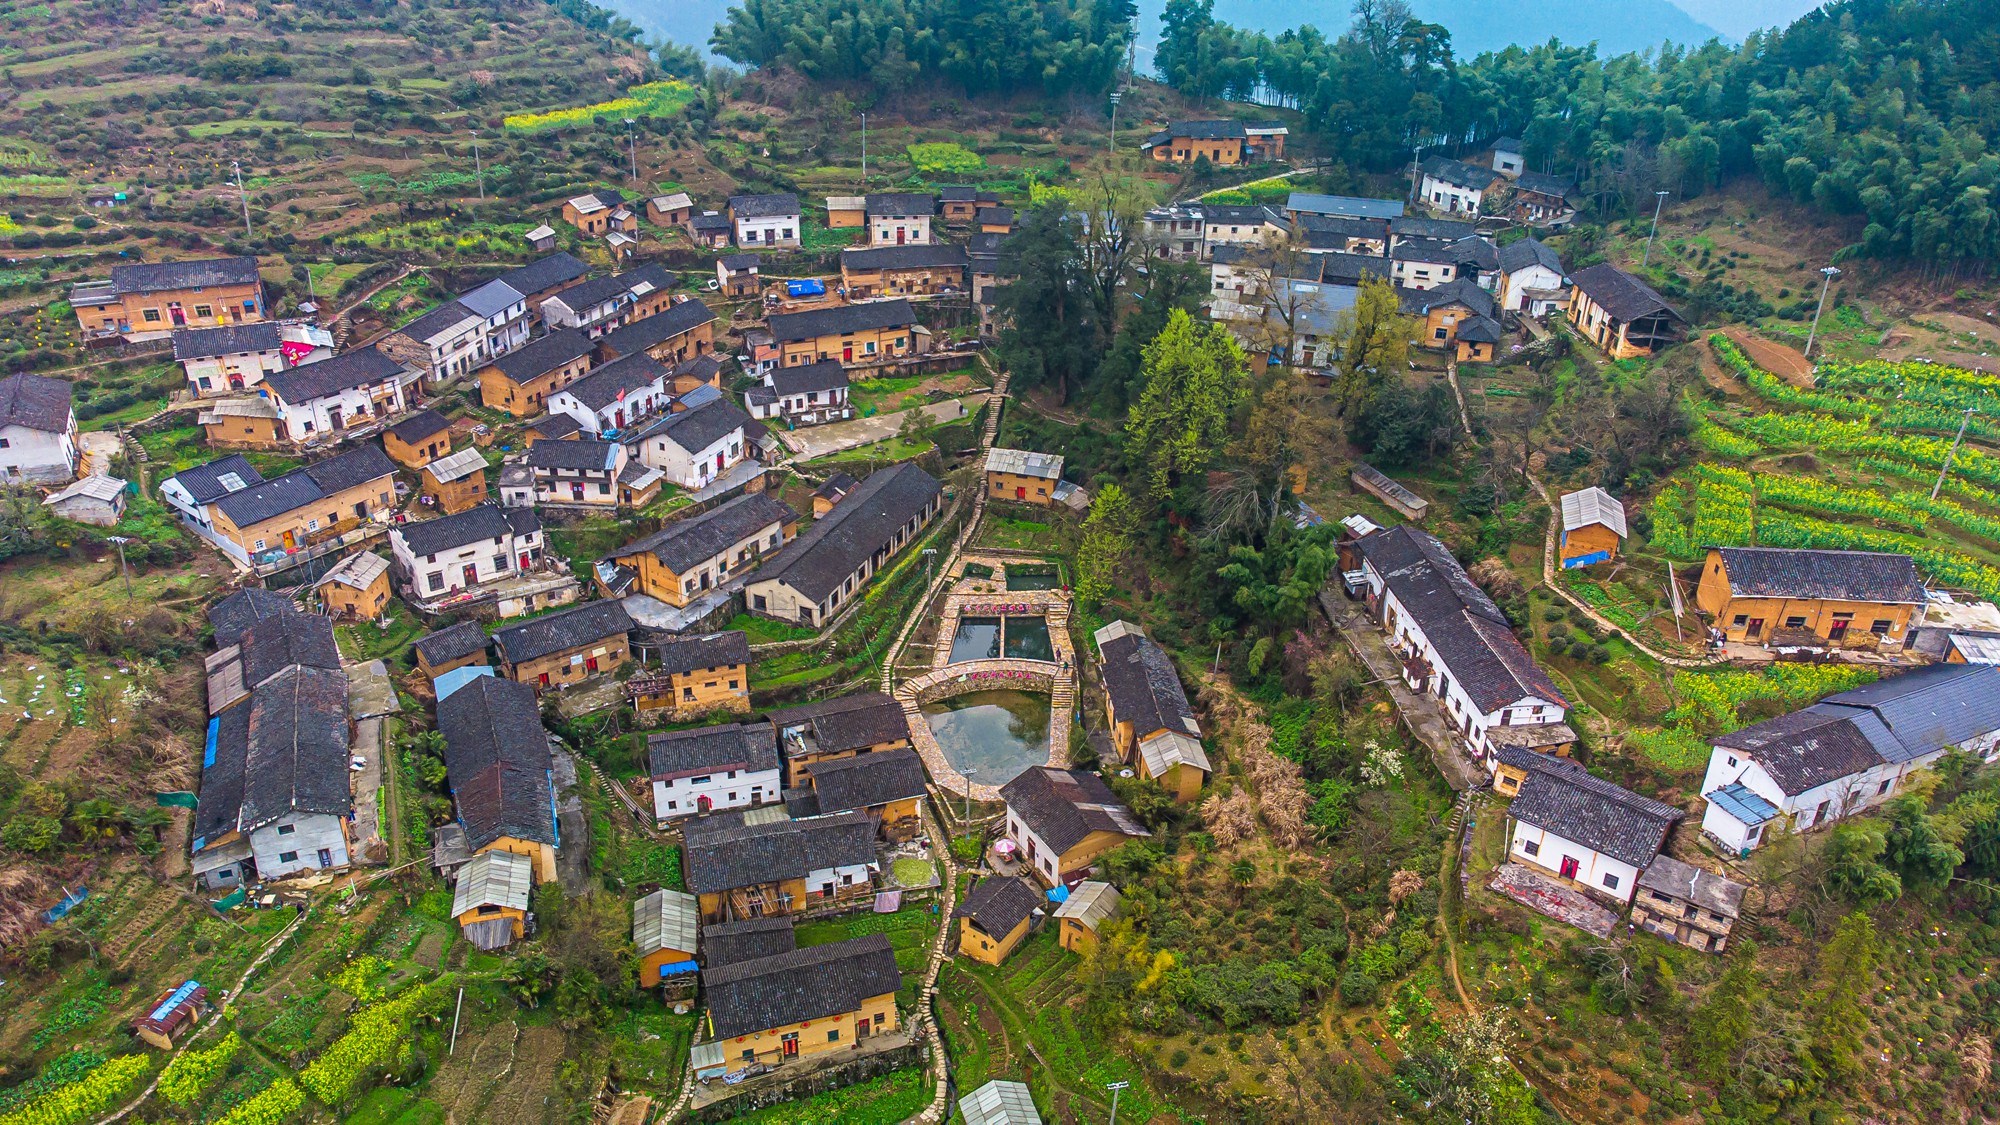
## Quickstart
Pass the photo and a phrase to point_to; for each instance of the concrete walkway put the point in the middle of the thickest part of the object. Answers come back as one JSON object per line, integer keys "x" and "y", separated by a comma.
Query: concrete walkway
{"x": 1420, "y": 712}
{"x": 838, "y": 437}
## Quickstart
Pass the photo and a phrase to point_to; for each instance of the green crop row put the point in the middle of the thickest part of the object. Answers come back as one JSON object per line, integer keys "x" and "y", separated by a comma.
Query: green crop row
{"x": 1773, "y": 389}
{"x": 1803, "y": 494}
{"x": 1947, "y": 567}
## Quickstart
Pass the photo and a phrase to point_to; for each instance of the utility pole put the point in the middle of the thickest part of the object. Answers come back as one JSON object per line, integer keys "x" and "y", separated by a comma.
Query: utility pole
{"x": 1827, "y": 274}
{"x": 1659, "y": 200}
{"x": 127, "y": 575}
{"x": 1116, "y": 97}
{"x": 1416, "y": 162}
{"x": 864, "y": 154}
{"x": 1114, "y": 1087}
{"x": 632, "y": 135}
{"x": 243, "y": 195}
{"x": 478, "y": 168}
{"x": 1953, "y": 452}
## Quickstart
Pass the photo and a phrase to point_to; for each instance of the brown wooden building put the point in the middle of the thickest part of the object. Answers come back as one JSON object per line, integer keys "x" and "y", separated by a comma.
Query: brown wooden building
{"x": 738, "y": 868}
{"x": 994, "y": 918}
{"x": 918, "y": 270}
{"x": 694, "y": 676}
{"x": 821, "y": 1001}
{"x": 456, "y": 646}
{"x": 1810, "y": 599}
{"x": 689, "y": 557}
{"x": 521, "y": 381}
{"x": 831, "y": 729}
{"x": 1621, "y": 314}
{"x": 672, "y": 335}
{"x": 356, "y": 589}
{"x": 456, "y": 482}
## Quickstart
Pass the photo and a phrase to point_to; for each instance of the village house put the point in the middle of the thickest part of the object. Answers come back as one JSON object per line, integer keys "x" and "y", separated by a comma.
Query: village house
{"x": 455, "y": 482}
{"x": 238, "y": 356}
{"x": 999, "y": 1102}
{"x": 1448, "y": 310}
{"x": 1681, "y": 903}
{"x": 1569, "y": 825}
{"x": 1284, "y": 319}
{"x": 1621, "y": 314}
{"x": 753, "y": 867}
{"x": 1593, "y": 527}
{"x": 1019, "y": 474}
{"x": 831, "y": 561}
{"x": 995, "y": 220}
{"x": 960, "y": 203}
{"x": 503, "y": 311}
{"x": 95, "y": 500}
{"x": 691, "y": 375}
{"x": 1224, "y": 144}
{"x": 244, "y": 608}
{"x": 693, "y": 447}
{"x": 1339, "y": 234}
{"x": 736, "y": 275}
{"x": 1455, "y": 186}
{"x": 37, "y": 429}
{"x": 436, "y": 559}
{"x": 865, "y": 335}
{"x": 805, "y": 1003}
{"x": 846, "y": 212}
{"x": 767, "y": 221}
{"x": 713, "y": 769}
{"x": 831, "y": 730}
{"x": 1810, "y": 600}
{"x": 175, "y": 1012}
{"x": 1063, "y": 820}
{"x": 618, "y": 394}
{"x": 888, "y": 786}
{"x": 900, "y": 218}
{"x": 710, "y": 230}
{"x": 692, "y": 555}
{"x": 252, "y": 422}
{"x": 566, "y": 647}
{"x": 542, "y": 278}
{"x": 274, "y": 798}
{"x": 1152, "y": 724}
{"x": 1300, "y": 204}
{"x": 600, "y": 305}
{"x": 443, "y": 344}
{"x": 670, "y": 210}
{"x": 501, "y": 773}
{"x": 1507, "y": 157}
{"x": 1175, "y": 231}
{"x": 1423, "y": 263}
{"x": 695, "y": 675}
{"x": 666, "y": 933}
{"x": 521, "y": 381}
{"x": 802, "y": 396}
{"x": 1240, "y": 226}
{"x": 1847, "y": 753}
{"x": 489, "y": 899}
{"x": 1532, "y": 279}
{"x": 251, "y": 519}
{"x": 994, "y": 918}
{"x": 581, "y": 472}
{"x": 681, "y": 332}
{"x": 145, "y": 301}
{"x": 1542, "y": 200}
{"x": 836, "y": 489}
{"x": 352, "y": 391}
{"x": 916, "y": 270}
{"x": 356, "y": 588}
{"x": 551, "y": 427}
{"x": 1089, "y": 905}
{"x": 459, "y": 646}
{"x": 418, "y": 440}
{"x": 1451, "y": 640}
{"x": 595, "y": 213}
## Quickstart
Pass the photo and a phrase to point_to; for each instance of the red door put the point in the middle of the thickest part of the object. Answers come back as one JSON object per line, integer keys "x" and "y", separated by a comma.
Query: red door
{"x": 525, "y": 562}
{"x": 1838, "y": 630}
{"x": 576, "y": 490}
{"x": 847, "y": 354}
{"x": 178, "y": 315}
{"x": 471, "y": 574}
{"x": 590, "y": 665}
{"x": 1569, "y": 866}
{"x": 543, "y": 679}
{"x": 703, "y": 804}
{"x": 1752, "y": 630}
{"x": 1020, "y": 494}
{"x": 791, "y": 1040}
{"x": 899, "y": 236}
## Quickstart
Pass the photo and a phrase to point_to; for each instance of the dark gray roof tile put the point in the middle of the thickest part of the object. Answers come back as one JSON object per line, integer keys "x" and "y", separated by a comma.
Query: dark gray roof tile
{"x": 745, "y": 997}
{"x": 562, "y": 630}
{"x": 497, "y": 762}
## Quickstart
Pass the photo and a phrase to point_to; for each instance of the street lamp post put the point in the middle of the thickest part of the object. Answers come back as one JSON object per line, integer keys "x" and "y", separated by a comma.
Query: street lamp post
{"x": 1659, "y": 200}
{"x": 1416, "y": 162}
{"x": 1114, "y": 1087}
{"x": 1116, "y": 97}
{"x": 1826, "y": 274}
{"x": 478, "y": 167}
{"x": 237, "y": 168}
{"x": 864, "y": 154}
{"x": 121, "y": 540}
{"x": 632, "y": 135}
{"x": 1953, "y": 452}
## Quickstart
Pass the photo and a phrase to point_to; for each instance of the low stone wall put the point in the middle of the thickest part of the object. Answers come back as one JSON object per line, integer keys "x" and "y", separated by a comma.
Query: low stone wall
{"x": 982, "y": 675}
{"x": 985, "y": 675}
{"x": 820, "y": 1079}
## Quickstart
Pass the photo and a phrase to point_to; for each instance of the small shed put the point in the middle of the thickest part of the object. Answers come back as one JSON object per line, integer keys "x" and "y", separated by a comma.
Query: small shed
{"x": 1593, "y": 527}
{"x": 177, "y": 1010}
{"x": 1079, "y": 916}
{"x": 844, "y": 211}
{"x": 995, "y": 917}
{"x": 670, "y": 210}
{"x": 621, "y": 244}
{"x": 356, "y": 589}
{"x": 665, "y": 929}
{"x": 96, "y": 500}
{"x": 1000, "y": 1102}
{"x": 449, "y": 851}
{"x": 490, "y": 902}
{"x": 542, "y": 237}
{"x": 1376, "y": 483}
{"x": 457, "y": 482}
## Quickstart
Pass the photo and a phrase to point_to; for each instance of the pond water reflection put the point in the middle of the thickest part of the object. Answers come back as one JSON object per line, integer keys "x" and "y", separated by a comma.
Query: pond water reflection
{"x": 997, "y": 733}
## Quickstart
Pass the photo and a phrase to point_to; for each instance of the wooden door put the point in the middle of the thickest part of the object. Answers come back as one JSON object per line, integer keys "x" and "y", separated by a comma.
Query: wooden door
{"x": 1569, "y": 866}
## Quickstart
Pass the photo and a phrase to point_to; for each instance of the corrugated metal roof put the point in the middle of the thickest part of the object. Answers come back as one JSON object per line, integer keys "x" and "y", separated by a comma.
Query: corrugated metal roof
{"x": 1747, "y": 807}
{"x": 454, "y": 466}
{"x": 999, "y": 1102}
{"x": 1168, "y": 749}
{"x": 665, "y": 920}
{"x": 1090, "y": 903}
{"x": 494, "y": 879}
{"x": 358, "y": 570}
{"x": 1593, "y": 505}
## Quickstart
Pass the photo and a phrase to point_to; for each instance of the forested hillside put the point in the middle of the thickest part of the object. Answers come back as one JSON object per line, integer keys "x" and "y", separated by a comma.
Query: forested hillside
{"x": 1880, "y": 112}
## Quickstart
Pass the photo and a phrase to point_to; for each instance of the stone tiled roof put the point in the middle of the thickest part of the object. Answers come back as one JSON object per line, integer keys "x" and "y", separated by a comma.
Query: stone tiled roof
{"x": 1860, "y": 576}
{"x": 1561, "y": 797}
{"x": 1064, "y": 807}
{"x": 746, "y": 997}
{"x": 562, "y": 630}
{"x": 498, "y": 763}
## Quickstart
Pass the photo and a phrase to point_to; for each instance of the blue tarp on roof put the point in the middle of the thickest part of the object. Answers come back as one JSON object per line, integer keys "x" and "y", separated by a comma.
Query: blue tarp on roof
{"x": 459, "y": 677}
{"x": 806, "y": 288}
{"x": 1740, "y": 802}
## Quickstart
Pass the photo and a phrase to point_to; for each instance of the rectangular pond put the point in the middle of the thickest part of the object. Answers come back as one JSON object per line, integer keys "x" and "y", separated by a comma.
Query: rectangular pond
{"x": 984, "y": 638}
{"x": 1033, "y": 578}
